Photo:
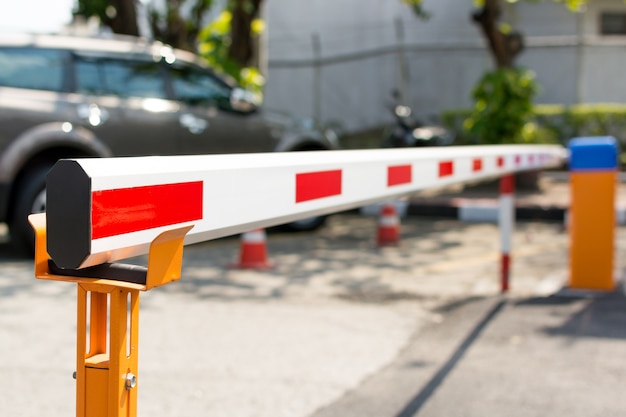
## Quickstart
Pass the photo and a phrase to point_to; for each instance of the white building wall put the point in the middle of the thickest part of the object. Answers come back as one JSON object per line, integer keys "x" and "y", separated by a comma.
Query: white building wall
{"x": 573, "y": 62}
{"x": 338, "y": 60}
{"x": 547, "y": 18}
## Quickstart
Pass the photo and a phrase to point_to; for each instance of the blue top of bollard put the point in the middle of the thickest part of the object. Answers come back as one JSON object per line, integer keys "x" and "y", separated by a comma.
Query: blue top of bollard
{"x": 593, "y": 153}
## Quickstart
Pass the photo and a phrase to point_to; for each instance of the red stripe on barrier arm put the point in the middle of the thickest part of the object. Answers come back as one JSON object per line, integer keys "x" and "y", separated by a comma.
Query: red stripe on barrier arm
{"x": 531, "y": 158}
{"x": 518, "y": 159}
{"x": 446, "y": 168}
{"x": 314, "y": 185}
{"x": 477, "y": 165}
{"x": 127, "y": 210}
{"x": 500, "y": 162}
{"x": 399, "y": 174}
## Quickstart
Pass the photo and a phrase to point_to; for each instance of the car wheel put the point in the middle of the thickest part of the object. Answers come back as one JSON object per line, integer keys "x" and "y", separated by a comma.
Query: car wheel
{"x": 30, "y": 198}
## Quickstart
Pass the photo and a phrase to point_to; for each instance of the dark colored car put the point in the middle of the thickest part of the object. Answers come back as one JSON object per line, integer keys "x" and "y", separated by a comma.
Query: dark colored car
{"x": 68, "y": 97}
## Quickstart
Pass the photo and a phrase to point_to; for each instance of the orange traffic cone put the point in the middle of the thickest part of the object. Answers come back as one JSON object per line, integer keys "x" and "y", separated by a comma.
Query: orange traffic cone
{"x": 253, "y": 254}
{"x": 388, "y": 226}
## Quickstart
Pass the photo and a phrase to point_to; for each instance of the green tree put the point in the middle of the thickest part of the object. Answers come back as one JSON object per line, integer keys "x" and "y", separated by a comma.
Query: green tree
{"x": 503, "y": 107}
{"x": 171, "y": 27}
{"x": 229, "y": 43}
{"x": 235, "y": 54}
{"x": 503, "y": 110}
{"x": 503, "y": 97}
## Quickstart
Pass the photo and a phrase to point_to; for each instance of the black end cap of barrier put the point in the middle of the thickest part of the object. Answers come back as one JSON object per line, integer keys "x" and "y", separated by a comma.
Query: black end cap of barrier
{"x": 114, "y": 271}
{"x": 68, "y": 214}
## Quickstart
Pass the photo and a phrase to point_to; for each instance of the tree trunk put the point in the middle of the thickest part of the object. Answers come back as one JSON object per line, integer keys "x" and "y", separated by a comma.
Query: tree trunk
{"x": 125, "y": 20}
{"x": 504, "y": 47}
{"x": 242, "y": 46}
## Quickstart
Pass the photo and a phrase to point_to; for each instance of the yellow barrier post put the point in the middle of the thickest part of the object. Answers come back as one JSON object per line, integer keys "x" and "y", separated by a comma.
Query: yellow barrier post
{"x": 106, "y": 373}
{"x": 593, "y": 176}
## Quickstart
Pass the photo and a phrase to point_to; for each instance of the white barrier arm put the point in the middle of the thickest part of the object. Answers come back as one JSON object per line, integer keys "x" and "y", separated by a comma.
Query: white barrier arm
{"x": 104, "y": 210}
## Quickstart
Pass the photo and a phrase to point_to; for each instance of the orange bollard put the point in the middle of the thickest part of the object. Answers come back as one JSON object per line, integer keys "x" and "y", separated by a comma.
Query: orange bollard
{"x": 593, "y": 176}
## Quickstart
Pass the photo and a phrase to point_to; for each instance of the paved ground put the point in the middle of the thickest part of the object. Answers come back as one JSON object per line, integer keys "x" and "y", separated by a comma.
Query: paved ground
{"x": 341, "y": 328}
{"x": 535, "y": 356}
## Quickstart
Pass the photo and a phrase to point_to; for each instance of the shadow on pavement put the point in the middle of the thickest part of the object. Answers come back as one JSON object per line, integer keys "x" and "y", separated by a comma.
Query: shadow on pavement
{"x": 602, "y": 315}
{"x": 9, "y": 252}
{"x": 342, "y": 261}
{"x": 413, "y": 407}
{"x": 303, "y": 257}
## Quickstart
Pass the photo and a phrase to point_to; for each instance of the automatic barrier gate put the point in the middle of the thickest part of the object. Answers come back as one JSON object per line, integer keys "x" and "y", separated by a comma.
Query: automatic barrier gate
{"x": 100, "y": 211}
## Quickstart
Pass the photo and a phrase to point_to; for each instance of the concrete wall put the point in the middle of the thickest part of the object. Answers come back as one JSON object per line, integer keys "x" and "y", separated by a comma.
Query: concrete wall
{"x": 338, "y": 60}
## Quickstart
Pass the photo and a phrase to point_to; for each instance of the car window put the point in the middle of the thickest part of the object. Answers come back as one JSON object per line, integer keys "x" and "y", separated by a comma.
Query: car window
{"x": 38, "y": 69}
{"x": 118, "y": 77}
{"x": 196, "y": 86}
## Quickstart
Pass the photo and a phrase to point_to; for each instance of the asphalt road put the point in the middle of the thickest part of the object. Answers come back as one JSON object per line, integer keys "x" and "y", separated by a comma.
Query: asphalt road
{"x": 342, "y": 328}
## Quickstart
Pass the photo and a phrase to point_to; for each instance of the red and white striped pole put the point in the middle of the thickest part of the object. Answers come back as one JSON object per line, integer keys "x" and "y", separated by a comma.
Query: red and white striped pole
{"x": 506, "y": 221}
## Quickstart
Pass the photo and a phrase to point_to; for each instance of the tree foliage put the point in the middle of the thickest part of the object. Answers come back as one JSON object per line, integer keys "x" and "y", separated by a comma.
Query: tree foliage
{"x": 503, "y": 98}
{"x": 229, "y": 43}
{"x": 119, "y": 15}
{"x": 172, "y": 27}
{"x": 215, "y": 44}
{"x": 503, "y": 106}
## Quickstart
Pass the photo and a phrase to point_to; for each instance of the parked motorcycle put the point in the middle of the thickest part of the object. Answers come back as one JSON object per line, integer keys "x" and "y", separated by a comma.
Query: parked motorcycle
{"x": 409, "y": 132}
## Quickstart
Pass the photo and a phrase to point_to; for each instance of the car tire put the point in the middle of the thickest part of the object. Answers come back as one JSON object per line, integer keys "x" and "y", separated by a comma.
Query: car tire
{"x": 30, "y": 198}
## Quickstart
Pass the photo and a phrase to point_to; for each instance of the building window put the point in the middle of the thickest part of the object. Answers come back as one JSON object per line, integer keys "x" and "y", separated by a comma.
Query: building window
{"x": 613, "y": 23}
